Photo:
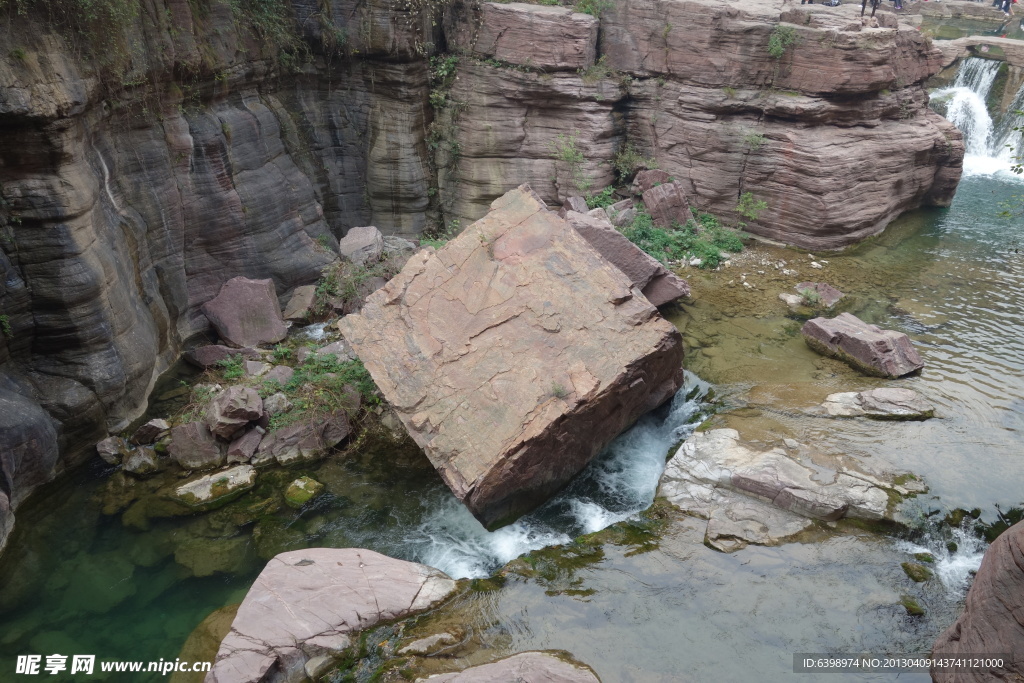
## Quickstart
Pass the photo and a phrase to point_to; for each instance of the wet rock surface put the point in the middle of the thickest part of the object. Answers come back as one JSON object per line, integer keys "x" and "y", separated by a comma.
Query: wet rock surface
{"x": 557, "y": 348}
{"x": 216, "y": 488}
{"x": 884, "y": 403}
{"x": 752, "y": 495}
{"x": 526, "y": 667}
{"x": 310, "y": 603}
{"x": 867, "y": 348}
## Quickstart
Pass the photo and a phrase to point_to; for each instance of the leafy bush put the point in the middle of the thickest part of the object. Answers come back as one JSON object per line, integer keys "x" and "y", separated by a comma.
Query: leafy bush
{"x": 318, "y": 388}
{"x": 601, "y": 198}
{"x": 750, "y": 207}
{"x": 780, "y": 40}
{"x": 704, "y": 239}
{"x": 232, "y": 367}
{"x": 628, "y": 160}
{"x": 593, "y": 7}
{"x": 564, "y": 149}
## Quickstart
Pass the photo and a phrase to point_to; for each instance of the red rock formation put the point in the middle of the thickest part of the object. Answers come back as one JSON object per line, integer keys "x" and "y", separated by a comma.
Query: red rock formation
{"x": 993, "y": 618}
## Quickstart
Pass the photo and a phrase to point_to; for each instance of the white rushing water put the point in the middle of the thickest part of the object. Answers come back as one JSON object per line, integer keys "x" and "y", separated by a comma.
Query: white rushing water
{"x": 619, "y": 483}
{"x": 954, "y": 568}
{"x": 990, "y": 145}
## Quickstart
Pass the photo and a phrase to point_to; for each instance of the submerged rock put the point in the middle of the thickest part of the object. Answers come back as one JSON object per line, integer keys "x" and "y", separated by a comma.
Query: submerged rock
{"x": 301, "y": 491}
{"x": 217, "y": 488}
{"x": 525, "y": 667}
{"x": 762, "y": 496}
{"x": 309, "y": 603}
{"x": 246, "y": 313}
{"x": 885, "y": 403}
{"x": 918, "y": 573}
{"x": 826, "y": 295}
{"x": 873, "y": 351}
{"x": 991, "y": 621}
{"x": 514, "y": 355}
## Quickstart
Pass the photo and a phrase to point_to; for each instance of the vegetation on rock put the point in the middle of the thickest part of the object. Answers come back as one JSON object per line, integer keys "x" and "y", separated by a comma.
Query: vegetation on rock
{"x": 704, "y": 239}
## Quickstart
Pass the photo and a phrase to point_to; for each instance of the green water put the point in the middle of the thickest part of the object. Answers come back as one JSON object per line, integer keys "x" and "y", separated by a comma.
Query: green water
{"x": 75, "y": 581}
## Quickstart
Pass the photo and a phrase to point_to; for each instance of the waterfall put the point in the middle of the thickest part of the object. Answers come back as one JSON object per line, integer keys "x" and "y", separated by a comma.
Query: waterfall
{"x": 986, "y": 142}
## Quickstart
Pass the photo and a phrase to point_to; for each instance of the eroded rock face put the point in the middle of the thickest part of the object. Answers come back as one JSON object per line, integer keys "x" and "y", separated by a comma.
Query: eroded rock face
{"x": 546, "y": 352}
{"x": 303, "y": 441}
{"x": 525, "y": 667}
{"x": 765, "y": 496}
{"x": 309, "y": 603}
{"x": 870, "y": 349}
{"x": 991, "y": 621}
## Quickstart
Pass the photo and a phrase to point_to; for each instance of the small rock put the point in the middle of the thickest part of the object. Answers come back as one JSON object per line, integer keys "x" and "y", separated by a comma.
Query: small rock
{"x": 340, "y": 349}
{"x": 150, "y": 432}
{"x": 301, "y": 491}
{"x": 917, "y": 572}
{"x": 282, "y": 374}
{"x": 142, "y": 462}
{"x": 278, "y": 403}
{"x": 815, "y": 264}
{"x": 233, "y": 409}
{"x": 696, "y": 262}
{"x": 244, "y": 447}
{"x": 912, "y": 606}
{"x": 256, "y": 368}
{"x": 113, "y": 450}
{"x": 194, "y": 447}
{"x": 300, "y": 305}
{"x": 429, "y": 645}
{"x": 825, "y": 294}
{"x": 362, "y": 244}
{"x": 794, "y": 301}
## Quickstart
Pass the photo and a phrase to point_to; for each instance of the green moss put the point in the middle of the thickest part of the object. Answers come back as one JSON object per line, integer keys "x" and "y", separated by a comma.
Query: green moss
{"x": 301, "y": 491}
{"x": 912, "y": 606}
{"x": 917, "y": 572}
{"x": 924, "y": 557}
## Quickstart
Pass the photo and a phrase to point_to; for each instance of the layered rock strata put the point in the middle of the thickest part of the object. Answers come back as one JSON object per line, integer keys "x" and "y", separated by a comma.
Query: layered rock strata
{"x": 311, "y": 603}
{"x": 514, "y": 355}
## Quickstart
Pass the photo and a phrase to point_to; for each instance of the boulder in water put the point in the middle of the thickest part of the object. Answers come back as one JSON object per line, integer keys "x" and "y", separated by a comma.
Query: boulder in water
{"x": 991, "y": 622}
{"x": 310, "y": 603}
{"x": 884, "y": 403}
{"x": 873, "y": 351}
{"x": 217, "y": 488}
{"x": 514, "y": 354}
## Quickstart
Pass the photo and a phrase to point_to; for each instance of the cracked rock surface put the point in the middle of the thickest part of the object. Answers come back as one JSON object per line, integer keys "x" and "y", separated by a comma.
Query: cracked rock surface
{"x": 749, "y": 495}
{"x": 307, "y": 603}
{"x": 514, "y": 355}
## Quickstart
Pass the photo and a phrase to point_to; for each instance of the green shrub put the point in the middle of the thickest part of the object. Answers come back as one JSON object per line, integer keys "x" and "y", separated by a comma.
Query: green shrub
{"x": 593, "y": 7}
{"x": 601, "y": 198}
{"x": 318, "y": 388}
{"x": 780, "y": 40}
{"x": 232, "y": 367}
{"x": 750, "y": 207}
{"x": 704, "y": 238}
{"x": 564, "y": 149}
{"x": 5, "y": 326}
{"x": 628, "y": 160}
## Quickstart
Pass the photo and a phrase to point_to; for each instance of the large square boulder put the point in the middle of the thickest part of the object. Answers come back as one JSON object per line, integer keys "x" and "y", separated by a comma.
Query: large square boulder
{"x": 514, "y": 355}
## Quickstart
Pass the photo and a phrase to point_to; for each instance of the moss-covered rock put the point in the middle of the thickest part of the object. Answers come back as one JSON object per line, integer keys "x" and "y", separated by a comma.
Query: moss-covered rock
{"x": 301, "y": 491}
{"x": 917, "y": 572}
{"x": 912, "y": 606}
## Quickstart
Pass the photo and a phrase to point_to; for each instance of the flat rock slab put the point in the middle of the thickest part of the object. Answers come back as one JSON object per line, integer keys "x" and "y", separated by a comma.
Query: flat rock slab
{"x": 194, "y": 447}
{"x": 870, "y": 349}
{"x": 217, "y": 488}
{"x": 307, "y": 603}
{"x": 525, "y": 667}
{"x": 991, "y": 622}
{"x": 884, "y": 403}
{"x": 658, "y": 284}
{"x": 514, "y": 355}
{"x": 246, "y": 313}
{"x": 763, "y": 496}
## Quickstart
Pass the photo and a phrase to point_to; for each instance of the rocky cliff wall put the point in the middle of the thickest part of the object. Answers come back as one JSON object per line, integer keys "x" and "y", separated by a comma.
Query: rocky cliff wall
{"x": 152, "y": 151}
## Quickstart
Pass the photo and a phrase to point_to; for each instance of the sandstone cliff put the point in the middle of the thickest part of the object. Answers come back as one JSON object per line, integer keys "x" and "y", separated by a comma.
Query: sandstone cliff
{"x": 154, "y": 149}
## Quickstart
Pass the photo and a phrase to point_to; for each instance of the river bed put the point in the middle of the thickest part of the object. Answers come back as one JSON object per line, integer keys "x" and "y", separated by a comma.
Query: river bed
{"x": 76, "y": 581}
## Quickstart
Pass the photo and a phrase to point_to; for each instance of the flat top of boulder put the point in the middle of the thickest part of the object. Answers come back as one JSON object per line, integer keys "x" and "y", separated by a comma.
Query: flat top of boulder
{"x": 525, "y": 667}
{"x": 320, "y": 592}
{"x": 246, "y": 313}
{"x": 509, "y": 329}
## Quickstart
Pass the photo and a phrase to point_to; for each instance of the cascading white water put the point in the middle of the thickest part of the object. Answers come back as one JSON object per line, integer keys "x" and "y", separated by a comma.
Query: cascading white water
{"x": 954, "y": 564}
{"x": 988, "y": 146}
{"x": 620, "y": 483}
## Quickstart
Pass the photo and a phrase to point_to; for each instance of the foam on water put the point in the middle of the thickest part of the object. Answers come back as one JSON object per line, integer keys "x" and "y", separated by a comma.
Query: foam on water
{"x": 619, "y": 483}
{"x": 316, "y": 331}
{"x": 955, "y": 569}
